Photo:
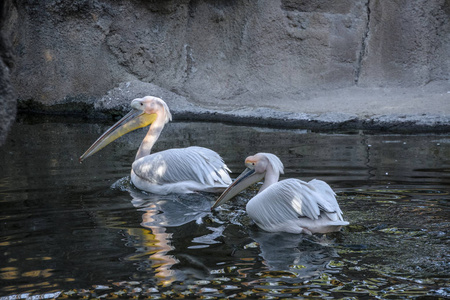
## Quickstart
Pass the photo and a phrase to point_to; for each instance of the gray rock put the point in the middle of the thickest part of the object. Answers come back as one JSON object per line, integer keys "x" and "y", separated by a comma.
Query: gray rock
{"x": 7, "y": 94}
{"x": 119, "y": 98}
{"x": 351, "y": 61}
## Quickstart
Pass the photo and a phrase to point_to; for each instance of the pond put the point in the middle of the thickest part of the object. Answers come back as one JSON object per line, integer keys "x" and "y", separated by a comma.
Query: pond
{"x": 71, "y": 230}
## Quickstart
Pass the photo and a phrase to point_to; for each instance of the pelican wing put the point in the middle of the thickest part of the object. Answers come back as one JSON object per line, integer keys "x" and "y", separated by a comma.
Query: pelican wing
{"x": 196, "y": 164}
{"x": 326, "y": 199}
{"x": 291, "y": 199}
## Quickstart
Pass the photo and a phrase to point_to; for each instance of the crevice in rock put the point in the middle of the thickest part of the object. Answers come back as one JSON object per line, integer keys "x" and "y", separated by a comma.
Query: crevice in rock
{"x": 364, "y": 41}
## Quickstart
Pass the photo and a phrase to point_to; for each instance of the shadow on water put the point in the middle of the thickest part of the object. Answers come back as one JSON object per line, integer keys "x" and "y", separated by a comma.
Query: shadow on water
{"x": 81, "y": 230}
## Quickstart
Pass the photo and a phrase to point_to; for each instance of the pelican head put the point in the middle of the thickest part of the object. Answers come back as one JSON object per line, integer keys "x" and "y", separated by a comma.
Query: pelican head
{"x": 258, "y": 166}
{"x": 144, "y": 112}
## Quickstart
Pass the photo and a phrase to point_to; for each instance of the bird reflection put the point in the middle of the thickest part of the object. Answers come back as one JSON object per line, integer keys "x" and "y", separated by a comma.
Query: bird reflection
{"x": 166, "y": 215}
{"x": 178, "y": 227}
{"x": 306, "y": 256}
{"x": 170, "y": 210}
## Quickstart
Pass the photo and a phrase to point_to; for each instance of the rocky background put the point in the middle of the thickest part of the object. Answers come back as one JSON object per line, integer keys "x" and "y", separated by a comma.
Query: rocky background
{"x": 69, "y": 54}
{"x": 7, "y": 95}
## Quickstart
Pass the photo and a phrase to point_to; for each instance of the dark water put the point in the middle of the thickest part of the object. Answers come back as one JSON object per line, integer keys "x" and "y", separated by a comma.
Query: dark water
{"x": 71, "y": 230}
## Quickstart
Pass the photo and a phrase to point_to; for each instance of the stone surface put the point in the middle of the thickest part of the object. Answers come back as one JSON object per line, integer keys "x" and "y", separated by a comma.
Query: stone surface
{"x": 327, "y": 59}
{"x": 407, "y": 43}
{"x": 388, "y": 109}
{"x": 7, "y": 95}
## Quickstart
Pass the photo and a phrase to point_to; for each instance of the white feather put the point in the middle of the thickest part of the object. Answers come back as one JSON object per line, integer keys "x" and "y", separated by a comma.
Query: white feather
{"x": 191, "y": 169}
{"x": 276, "y": 163}
{"x": 296, "y": 206}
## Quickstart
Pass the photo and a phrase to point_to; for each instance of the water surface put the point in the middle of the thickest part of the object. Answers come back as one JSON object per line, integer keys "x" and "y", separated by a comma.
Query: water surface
{"x": 81, "y": 230}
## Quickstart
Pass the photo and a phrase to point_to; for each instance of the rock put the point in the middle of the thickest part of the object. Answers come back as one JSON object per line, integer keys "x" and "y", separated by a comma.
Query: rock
{"x": 407, "y": 43}
{"x": 119, "y": 98}
{"x": 7, "y": 94}
{"x": 294, "y": 56}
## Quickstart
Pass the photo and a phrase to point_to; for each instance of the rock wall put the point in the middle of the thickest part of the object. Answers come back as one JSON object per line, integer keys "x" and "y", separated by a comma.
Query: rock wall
{"x": 7, "y": 95}
{"x": 215, "y": 51}
{"x": 408, "y": 43}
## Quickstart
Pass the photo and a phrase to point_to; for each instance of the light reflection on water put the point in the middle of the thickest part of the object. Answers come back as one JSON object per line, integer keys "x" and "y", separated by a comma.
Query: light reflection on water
{"x": 72, "y": 230}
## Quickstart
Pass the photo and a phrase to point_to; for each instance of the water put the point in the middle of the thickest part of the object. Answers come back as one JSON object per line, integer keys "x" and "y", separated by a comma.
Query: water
{"x": 70, "y": 230}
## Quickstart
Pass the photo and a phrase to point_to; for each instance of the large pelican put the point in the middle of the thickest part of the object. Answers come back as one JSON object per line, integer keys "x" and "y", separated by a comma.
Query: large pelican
{"x": 183, "y": 170}
{"x": 290, "y": 205}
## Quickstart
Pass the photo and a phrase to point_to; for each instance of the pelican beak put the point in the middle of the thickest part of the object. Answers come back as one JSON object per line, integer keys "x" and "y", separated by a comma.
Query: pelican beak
{"x": 133, "y": 120}
{"x": 247, "y": 178}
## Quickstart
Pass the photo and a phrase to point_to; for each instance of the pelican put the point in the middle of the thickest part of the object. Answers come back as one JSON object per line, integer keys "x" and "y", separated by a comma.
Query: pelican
{"x": 290, "y": 205}
{"x": 183, "y": 170}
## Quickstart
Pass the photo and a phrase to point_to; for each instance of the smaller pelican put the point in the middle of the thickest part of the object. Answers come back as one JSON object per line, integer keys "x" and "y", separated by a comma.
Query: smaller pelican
{"x": 183, "y": 170}
{"x": 290, "y": 205}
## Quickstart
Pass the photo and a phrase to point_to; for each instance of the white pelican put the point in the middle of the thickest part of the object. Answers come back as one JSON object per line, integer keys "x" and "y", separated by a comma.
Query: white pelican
{"x": 183, "y": 170}
{"x": 290, "y": 205}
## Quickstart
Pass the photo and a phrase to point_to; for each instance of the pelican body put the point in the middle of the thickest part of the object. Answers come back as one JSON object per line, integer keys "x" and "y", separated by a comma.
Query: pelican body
{"x": 290, "y": 205}
{"x": 183, "y": 170}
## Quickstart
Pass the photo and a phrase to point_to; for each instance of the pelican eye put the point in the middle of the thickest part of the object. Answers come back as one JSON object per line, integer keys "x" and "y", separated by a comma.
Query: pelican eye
{"x": 250, "y": 164}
